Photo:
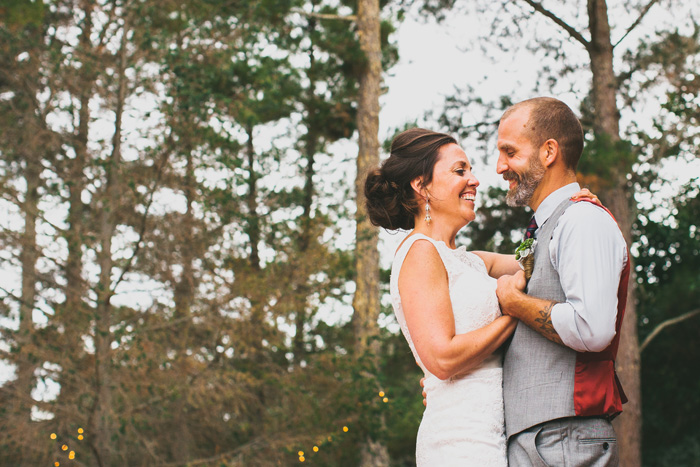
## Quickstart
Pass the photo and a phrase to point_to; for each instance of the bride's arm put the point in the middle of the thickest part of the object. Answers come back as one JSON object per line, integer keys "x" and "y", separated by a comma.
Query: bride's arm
{"x": 425, "y": 297}
{"x": 498, "y": 264}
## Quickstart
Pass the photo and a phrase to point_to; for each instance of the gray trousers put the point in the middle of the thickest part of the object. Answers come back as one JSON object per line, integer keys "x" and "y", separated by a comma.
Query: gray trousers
{"x": 566, "y": 442}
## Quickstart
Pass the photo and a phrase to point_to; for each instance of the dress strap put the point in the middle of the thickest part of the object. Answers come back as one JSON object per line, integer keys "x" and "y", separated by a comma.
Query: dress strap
{"x": 406, "y": 246}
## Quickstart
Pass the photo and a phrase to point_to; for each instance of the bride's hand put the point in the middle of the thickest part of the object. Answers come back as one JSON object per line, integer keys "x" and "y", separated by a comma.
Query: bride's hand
{"x": 509, "y": 290}
{"x": 585, "y": 194}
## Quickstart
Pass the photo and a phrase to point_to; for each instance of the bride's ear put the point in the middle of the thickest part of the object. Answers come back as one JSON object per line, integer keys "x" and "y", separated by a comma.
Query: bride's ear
{"x": 418, "y": 187}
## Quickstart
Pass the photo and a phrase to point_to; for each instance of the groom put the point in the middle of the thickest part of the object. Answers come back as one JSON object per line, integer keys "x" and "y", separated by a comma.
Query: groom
{"x": 560, "y": 386}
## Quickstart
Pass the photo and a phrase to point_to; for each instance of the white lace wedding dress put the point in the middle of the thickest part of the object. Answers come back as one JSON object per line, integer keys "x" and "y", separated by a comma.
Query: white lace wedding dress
{"x": 463, "y": 423}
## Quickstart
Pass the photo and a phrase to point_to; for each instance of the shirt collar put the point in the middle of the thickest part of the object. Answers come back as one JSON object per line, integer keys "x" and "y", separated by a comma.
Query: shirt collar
{"x": 547, "y": 207}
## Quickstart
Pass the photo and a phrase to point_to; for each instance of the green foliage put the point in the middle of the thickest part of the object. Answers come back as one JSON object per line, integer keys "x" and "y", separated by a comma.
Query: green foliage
{"x": 604, "y": 160}
{"x": 668, "y": 283}
{"x": 400, "y": 377}
{"x": 18, "y": 14}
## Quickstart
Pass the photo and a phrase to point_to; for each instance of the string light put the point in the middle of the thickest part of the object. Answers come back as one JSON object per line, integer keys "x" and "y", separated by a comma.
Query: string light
{"x": 345, "y": 429}
{"x": 64, "y": 447}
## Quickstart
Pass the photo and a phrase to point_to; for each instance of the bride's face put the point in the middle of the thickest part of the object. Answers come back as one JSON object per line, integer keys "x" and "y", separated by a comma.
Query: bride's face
{"x": 452, "y": 191}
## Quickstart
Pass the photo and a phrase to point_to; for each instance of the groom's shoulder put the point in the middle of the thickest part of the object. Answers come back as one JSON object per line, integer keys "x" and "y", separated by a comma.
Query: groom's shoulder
{"x": 586, "y": 217}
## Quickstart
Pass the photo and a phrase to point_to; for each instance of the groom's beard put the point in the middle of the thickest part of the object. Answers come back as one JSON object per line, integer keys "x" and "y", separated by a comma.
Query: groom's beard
{"x": 526, "y": 183}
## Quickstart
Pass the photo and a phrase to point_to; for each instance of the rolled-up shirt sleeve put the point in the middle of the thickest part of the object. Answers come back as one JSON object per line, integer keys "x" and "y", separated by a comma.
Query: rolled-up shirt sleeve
{"x": 589, "y": 253}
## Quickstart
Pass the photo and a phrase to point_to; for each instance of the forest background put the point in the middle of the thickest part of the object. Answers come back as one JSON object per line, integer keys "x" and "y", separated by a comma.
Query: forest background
{"x": 188, "y": 277}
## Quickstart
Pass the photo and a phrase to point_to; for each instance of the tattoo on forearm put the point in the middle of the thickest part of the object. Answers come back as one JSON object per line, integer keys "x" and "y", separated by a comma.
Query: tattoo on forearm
{"x": 545, "y": 323}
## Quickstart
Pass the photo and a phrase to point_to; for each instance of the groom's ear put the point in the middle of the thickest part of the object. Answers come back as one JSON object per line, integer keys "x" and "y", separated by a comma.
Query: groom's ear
{"x": 550, "y": 151}
{"x": 418, "y": 187}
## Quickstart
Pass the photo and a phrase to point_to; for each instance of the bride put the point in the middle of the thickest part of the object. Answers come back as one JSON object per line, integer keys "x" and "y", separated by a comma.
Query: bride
{"x": 444, "y": 297}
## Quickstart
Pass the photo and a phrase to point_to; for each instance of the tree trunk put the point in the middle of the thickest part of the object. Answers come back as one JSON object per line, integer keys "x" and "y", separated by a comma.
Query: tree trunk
{"x": 184, "y": 298}
{"x": 27, "y": 350}
{"x": 253, "y": 231}
{"x": 28, "y": 359}
{"x": 73, "y": 314}
{"x": 101, "y": 421}
{"x": 301, "y": 288}
{"x": 311, "y": 141}
{"x": 607, "y": 118}
{"x": 366, "y": 300}
{"x": 606, "y": 124}
{"x": 253, "y": 222}
{"x": 254, "y": 276}
{"x": 75, "y": 286}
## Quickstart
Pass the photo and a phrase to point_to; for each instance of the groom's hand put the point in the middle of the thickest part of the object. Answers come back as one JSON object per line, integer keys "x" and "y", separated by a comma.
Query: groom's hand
{"x": 509, "y": 291}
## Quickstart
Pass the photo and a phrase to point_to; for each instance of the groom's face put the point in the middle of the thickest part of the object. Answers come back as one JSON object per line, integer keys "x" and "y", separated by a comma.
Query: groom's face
{"x": 518, "y": 159}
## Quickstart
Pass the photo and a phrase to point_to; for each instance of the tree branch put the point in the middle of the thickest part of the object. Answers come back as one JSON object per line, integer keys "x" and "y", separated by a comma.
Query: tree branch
{"x": 645, "y": 10}
{"x": 572, "y": 32}
{"x": 144, "y": 218}
{"x": 33, "y": 306}
{"x": 257, "y": 443}
{"x": 324, "y": 15}
{"x": 665, "y": 324}
{"x": 14, "y": 199}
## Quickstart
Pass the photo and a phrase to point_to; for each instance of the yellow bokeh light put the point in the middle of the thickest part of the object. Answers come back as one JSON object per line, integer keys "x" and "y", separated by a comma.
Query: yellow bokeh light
{"x": 345, "y": 429}
{"x": 80, "y": 437}
{"x": 381, "y": 393}
{"x": 301, "y": 453}
{"x": 301, "y": 459}
{"x": 80, "y": 430}
{"x": 386, "y": 399}
{"x": 71, "y": 455}
{"x": 56, "y": 463}
{"x": 64, "y": 447}
{"x": 53, "y": 435}
{"x": 315, "y": 448}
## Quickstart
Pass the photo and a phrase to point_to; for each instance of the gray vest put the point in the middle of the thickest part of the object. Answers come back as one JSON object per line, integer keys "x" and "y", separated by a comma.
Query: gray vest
{"x": 538, "y": 375}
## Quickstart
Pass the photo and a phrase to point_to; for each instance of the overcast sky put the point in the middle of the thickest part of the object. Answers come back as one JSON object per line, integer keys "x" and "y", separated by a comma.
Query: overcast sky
{"x": 436, "y": 58}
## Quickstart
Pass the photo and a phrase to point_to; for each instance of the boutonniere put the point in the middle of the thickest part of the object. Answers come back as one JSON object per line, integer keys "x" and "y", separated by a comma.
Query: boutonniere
{"x": 525, "y": 256}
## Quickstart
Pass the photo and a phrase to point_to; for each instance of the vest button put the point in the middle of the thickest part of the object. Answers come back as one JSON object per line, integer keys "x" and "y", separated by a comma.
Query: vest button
{"x": 606, "y": 446}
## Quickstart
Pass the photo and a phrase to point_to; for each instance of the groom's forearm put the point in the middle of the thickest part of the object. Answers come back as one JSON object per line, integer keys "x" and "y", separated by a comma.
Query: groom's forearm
{"x": 534, "y": 312}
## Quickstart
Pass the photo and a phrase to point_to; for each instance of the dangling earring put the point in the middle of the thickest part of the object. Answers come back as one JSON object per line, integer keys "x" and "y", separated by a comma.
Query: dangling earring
{"x": 427, "y": 212}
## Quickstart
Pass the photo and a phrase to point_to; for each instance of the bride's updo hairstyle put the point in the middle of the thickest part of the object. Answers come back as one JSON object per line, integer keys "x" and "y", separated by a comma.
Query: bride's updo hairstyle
{"x": 391, "y": 202}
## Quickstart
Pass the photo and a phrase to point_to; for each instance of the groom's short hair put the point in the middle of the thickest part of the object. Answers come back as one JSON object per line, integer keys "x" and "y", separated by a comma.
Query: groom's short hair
{"x": 550, "y": 118}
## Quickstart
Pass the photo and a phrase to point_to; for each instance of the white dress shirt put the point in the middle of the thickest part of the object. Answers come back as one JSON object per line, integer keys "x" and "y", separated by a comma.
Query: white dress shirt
{"x": 589, "y": 253}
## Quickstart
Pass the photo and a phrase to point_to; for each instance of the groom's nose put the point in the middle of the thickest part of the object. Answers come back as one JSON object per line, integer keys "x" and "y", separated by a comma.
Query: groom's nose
{"x": 501, "y": 165}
